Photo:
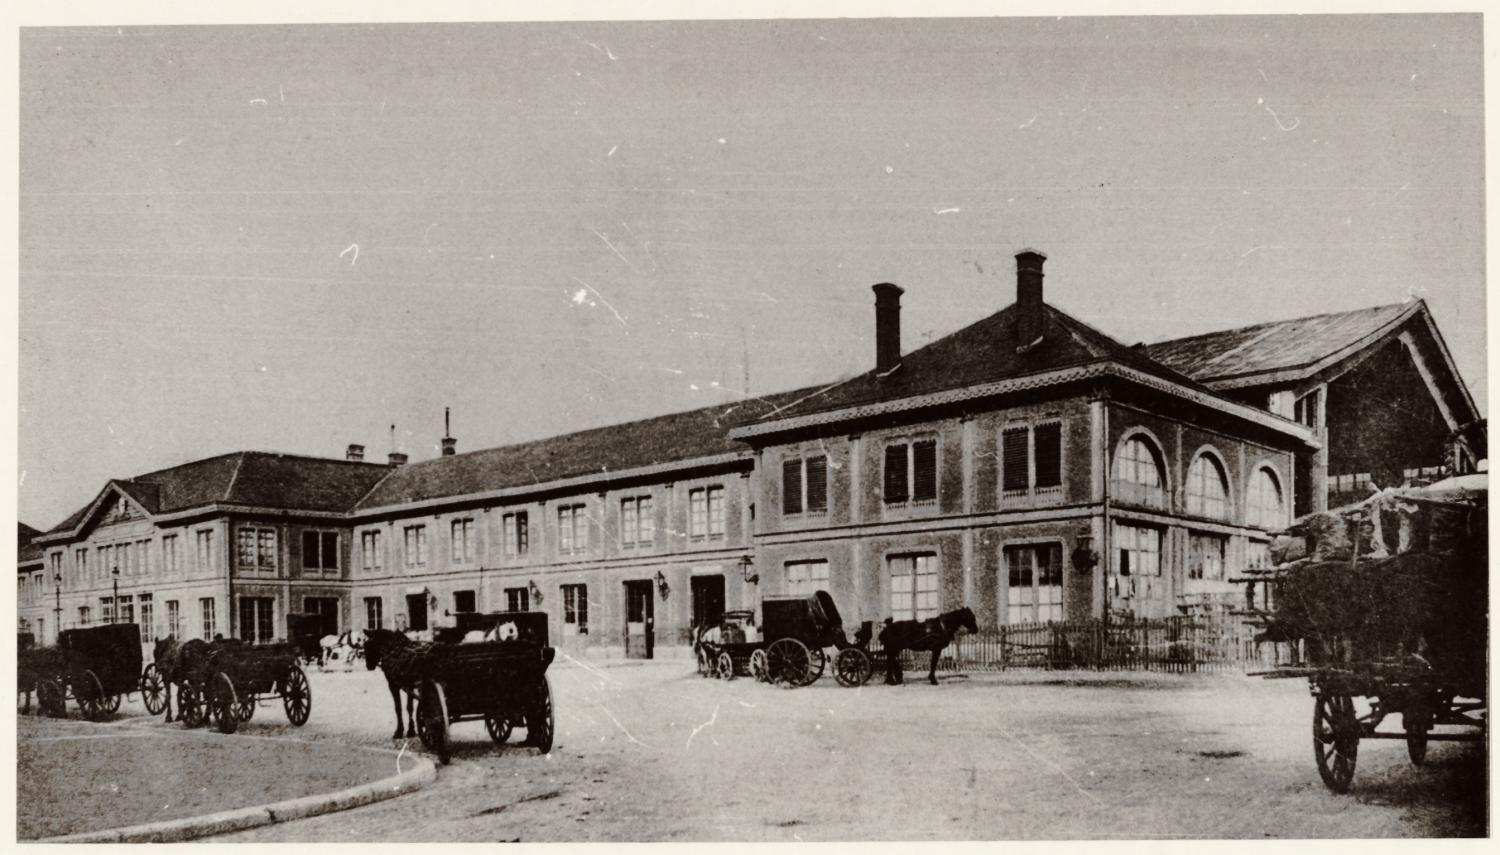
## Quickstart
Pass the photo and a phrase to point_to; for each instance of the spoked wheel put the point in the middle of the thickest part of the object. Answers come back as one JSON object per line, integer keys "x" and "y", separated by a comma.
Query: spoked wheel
{"x": 223, "y": 703}
{"x": 191, "y": 710}
{"x": 788, "y": 662}
{"x": 50, "y": 698}
{"x": 90, "y": 694}
{"x": 726, "y": 666}
{"x": 432, "y": 720}
{"x": 851, "y": 667}
{"x": 817, "y": 661}
{"x": 246, "y": 710}
{"x": 296, "y": 696}
{"x": 153, "y": 689}
{"x": 758, "y": 668}
{"x": 1336, "y": 740}
{"x": 1417, "y": 721}
{"x": 498, "y": 727}
{"x": 540, "y": 726}
{"x": 112, "y": 703}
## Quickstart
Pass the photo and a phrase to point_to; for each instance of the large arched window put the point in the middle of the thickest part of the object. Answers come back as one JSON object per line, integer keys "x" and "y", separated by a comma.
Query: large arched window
{"x": 1138, "y": 472}
{"x": 1207, "y": 488}
{"x": 1263, "y": 504}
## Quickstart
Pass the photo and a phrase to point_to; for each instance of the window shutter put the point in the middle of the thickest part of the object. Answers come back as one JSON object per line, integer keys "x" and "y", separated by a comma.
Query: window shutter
{"x": 817, "y": 483}
{"x": 895, "y": 473}
{"x": 791, "y": 486}
{"x": 1016, "y": 474}
{"x": 1049, "y": 455}
{"x": 924, "y": 470}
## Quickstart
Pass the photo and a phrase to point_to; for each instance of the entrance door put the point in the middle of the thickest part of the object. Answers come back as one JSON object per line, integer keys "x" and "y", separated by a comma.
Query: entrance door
{"x": 708, "y": 600}
{"x": 327, "y": 610}
{"x": 416, "y": 612}
{"x": 640, "y": 620}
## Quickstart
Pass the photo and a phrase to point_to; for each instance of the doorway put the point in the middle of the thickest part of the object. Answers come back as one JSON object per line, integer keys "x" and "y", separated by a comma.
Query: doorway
{"x": 640, "y": 620}
{"x": 416, "y": 612}
{"x": 708, "y": 601}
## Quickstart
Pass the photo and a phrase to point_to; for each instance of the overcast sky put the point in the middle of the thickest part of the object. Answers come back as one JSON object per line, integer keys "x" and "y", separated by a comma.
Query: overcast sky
{"x": 289, "y": 238}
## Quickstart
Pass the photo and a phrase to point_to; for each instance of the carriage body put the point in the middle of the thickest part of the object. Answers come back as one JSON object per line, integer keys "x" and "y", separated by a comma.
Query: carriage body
{"x": 795, "y": 632}
{"x": 94, "y": 666}
{"x": 305, "y": 632}
{"x": 227, "y": 682}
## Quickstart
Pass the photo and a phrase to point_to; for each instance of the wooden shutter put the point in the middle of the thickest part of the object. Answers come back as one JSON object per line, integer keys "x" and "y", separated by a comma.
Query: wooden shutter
{"x": 895, "y": 474}
{"x": 1015, "y": 459}
{"x": 791, "y": 486}
{"x": 924, "y": 470}
{"x": 1049, "y": 455}
{"x": 817, "y": 483}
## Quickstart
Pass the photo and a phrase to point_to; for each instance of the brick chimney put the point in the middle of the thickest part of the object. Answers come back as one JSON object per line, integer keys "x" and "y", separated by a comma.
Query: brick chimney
{"x": 396, "y": 458}
{"x": 356, "y": 452}
{"x": 887, "y": 327}
{"x": 450, "y": 445}
{"x": 1030, "y": 316}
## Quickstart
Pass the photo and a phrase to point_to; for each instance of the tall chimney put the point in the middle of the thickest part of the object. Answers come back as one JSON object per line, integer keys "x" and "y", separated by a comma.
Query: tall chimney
{"x": 450, "y": 445}
{"x": 397, "y": 458}
{"x": 356, "y": 452}
{"x": 1030, "y": 316}
{"x": 887, "y": 327}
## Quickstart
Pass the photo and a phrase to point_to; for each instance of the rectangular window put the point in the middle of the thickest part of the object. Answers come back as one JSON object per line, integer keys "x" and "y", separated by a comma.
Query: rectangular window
{"x": 1048, "y": 455}
{"x": 462, "y": 540}
{"x": 706, "y": 516}
{"x": 1205, "y": 556}
{"x": 517, "y": 600}
{"x": 1036, "y": 576}
{"x": 143, "y": 565}
{"x": 572, "y": 530}
{"x": 804, "y": 485}
{"x": 107, "y": 609}
{"x": 1137, "y": 550}
{"x": 463, "y": 601}
{"x": 1308, "y": 409}
{"x": 83, "y": 616}
{"x": 416, "y": 546}
{"x": 174, "y": 619}
{"x": 125, "y": 609}
{"x": 80, "y": 565}
{"x": 255, "y": 548}
{"x": 896, "y": 492}
{"x": 148, "y": 619}
{"x": 372, "y": 558}
{"x": 805, "y": 577}
{"x": 637, "y": 521}
{"x": 924, "y": 471}
{"x": 515, "y": 533}
{"x": 914, "y": 586}
{"x": 1031, "y": 460}
{"x": 171, "y": 562}
{"x": 373, "y": 617}
{"x": 1015, "y": 460}
{"x": 54, "y": 561}
{"x": 320, "y": 550}
{"x": 576, "y": 609}
{"x": 206, "y": 558}
{"x": 911, "y": 472}
{"x": 791, "y": 486}
{"x": 210, "y": 618}
{"x": 256, "y": 619}
{"x": 715, "y": 511}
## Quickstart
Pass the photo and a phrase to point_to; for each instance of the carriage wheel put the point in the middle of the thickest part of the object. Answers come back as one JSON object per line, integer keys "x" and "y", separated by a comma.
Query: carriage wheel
{"x": 498, "y": 726}
{"x": 153, "y": 689}
{"x": 190, "y": 707}
{"x": 1417, "y": 721}
{"x": 540, "y": 726}
{"x": 817, "y": 661}
{"x": 89, "y": 693}
{"x": 1336, "y": 740}
{"x": 851, "y": 667}
{"x": 245, "y": 711}
{"x": 726, "y": 666}
{"x": 758, "y": 668}
{"x": 223, "y": 703}
{"x": 50, "y": 700}
{"x": 788, "y": 663}
{"x": 296, "y": 696}
{"x": 432, "y": 720}
{"x": 112, "y": 703}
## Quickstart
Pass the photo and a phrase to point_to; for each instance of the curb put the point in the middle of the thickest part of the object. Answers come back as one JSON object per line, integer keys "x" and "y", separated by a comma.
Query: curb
{"x": 239, "y": 819}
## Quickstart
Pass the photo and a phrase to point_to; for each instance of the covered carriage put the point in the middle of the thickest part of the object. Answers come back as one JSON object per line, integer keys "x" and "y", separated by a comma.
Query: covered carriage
{"x": 789, "y": 648}
{"x": 95, "y": 666}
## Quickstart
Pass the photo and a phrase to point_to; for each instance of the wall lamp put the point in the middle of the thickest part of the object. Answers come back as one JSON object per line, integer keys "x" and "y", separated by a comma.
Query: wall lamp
{"x": 661, "y": 585}
{"x": 536, "y": 592}
{"x": 747, "y": 570}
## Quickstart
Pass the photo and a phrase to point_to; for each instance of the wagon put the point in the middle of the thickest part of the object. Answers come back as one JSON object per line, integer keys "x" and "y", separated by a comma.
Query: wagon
{"x": 227, "y": 685}
{"x": 502, "y": 683}
{"x": 94, "y": 666}
{"x": 791, "y": 650}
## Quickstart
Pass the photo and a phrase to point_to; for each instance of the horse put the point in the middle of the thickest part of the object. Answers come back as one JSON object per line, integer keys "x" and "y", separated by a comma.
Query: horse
{"x": 175, "y": 660}
{"x": 400, "y": 658}
{"x": 932, "y": 634}
{"x": 344, "y": 647}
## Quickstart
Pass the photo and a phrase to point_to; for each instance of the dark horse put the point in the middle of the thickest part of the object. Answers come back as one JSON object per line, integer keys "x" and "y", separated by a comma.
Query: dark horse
{"x": 400, "y": 658}
{"x": 932, "y": 634}
{"x": 176, "y": 660}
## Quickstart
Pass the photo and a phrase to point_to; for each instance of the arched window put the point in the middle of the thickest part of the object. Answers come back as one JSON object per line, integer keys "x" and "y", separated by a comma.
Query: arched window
{"x": 1263, "y": 504}
{"x": 1207, "y": 488}
{"x": 1138, "y": 472}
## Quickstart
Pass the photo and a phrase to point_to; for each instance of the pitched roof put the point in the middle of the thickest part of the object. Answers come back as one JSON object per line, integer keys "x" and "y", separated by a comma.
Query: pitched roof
{"x": 984, "y": 352}
{"x": 255, "y": 478}
{"x": 675, "y": 438}
{"x": 28, "y": 552}
{"x": 25, "y": 533}
{"x": 1279, "y": 345}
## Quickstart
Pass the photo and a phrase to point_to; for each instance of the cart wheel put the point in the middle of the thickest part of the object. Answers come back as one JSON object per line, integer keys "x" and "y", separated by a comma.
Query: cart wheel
{"x": 726, "y": 666}
{"x": 153, "y": 689}
{"x": 758, "y": 668}
{"x": 788, "y": 663}
{"x": 498, "y": 726}
{"x": 432, "y": 720}
{"x": 245, "y": 711}
{"x": 1417, "y": 722}
{"x": 190, "y": 707}
{"x": 540, "y": 726}
{"x": 851, "y": 667}
{"x": 50, "y": 699}
{"x": 296, "y": 696}
{"x": 89, "y": 693}
{"x": 817, "y": 661}
{"x": 112, "y": 703}
{"x": 223, "y": 703}
{"x": 1336, "y": 740}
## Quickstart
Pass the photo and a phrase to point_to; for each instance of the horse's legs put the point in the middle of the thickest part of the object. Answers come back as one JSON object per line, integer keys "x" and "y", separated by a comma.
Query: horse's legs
{"x": 893, "y": 666}
{"x": 396, "y": 701}
{"x": 167, "y": 692}
{"x": 411, "y": 718}
{"x": 932, "y": 671}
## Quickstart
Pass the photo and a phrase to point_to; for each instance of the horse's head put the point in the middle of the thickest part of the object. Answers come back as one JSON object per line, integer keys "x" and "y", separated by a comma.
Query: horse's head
{"x": 966, "y": 619}
{"x": 165, "y": 649}
{"x": 379, "y": 642}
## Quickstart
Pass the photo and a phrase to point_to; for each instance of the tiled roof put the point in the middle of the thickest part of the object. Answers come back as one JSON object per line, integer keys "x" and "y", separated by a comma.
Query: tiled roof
{"x": 984, "y": 352}
{"x": 667, "y": 439}
{"x": 28, "y": 553}
{"x": 25, "y": 533}
{"x": 1276, "y": 346}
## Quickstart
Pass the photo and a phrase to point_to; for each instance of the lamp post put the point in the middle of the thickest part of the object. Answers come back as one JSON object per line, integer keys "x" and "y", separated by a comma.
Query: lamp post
{"x": 747, "y": 570}
{"x": 114, "y": 604}
{"x": 57, "y": 607}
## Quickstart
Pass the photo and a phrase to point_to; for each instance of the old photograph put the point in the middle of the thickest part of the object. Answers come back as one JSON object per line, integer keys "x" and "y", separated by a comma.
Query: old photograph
{"x": 774, "y": 430}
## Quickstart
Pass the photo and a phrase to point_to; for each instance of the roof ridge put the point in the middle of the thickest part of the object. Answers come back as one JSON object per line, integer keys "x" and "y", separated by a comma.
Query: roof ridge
{"x": 1282, "y": 322}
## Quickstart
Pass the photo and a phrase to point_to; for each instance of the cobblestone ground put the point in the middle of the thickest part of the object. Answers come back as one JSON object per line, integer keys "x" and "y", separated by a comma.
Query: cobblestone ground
{"x": 653, "y": 753}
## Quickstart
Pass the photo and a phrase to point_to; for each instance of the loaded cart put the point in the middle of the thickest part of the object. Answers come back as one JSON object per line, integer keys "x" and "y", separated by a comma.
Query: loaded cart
{"x": 95, "y": 666}
{"x": 1384, "y": 604}
{"x": 503, "y": 683}
{"x": 226, "y": 685}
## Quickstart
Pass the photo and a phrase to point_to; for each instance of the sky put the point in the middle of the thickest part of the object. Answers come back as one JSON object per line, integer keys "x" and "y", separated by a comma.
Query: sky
{"x": 290, "y": 238}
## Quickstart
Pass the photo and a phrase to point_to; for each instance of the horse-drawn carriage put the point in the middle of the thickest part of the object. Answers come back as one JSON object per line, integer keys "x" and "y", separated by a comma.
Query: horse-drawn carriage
{"x": 95, "y": 666}
{"x": 1386, "y": 601}
{"x": 223, "y": 681}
